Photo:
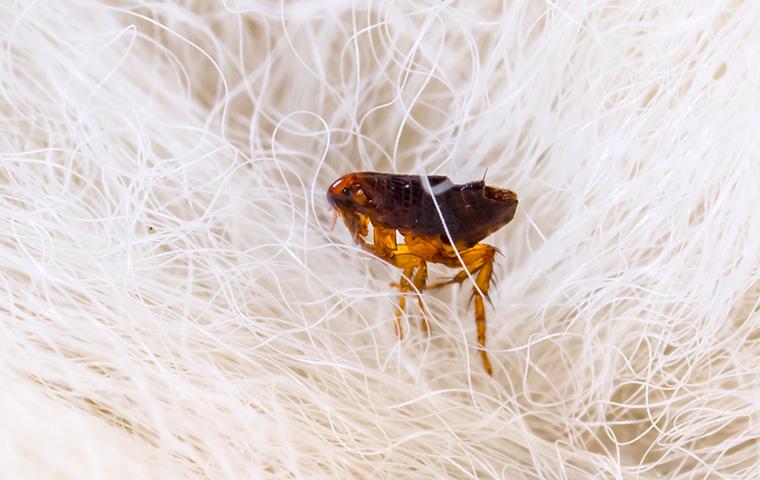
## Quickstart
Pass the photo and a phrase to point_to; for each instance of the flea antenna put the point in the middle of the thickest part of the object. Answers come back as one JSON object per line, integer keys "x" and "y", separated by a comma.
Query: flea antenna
{"x": 484, "y": 175}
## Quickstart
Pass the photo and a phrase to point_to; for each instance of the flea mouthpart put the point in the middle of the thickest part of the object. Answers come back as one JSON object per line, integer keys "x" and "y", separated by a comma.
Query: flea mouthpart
{"x": 335, "y": 219}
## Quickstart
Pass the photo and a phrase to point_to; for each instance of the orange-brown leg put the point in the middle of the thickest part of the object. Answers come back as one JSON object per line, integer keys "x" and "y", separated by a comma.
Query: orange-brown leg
{"x": 479, "y": 262}
{"x": 419, "y": 282}
{"x": 404, "y": 286}
{"x": 458, "y": 278}
{"x": 385, "y": 246}
{"x": 408, "y": 263}
{"x": 483, "y": 280}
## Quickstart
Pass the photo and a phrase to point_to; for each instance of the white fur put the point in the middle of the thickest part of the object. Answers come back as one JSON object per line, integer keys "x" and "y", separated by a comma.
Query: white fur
{"x": 174, "y": 304}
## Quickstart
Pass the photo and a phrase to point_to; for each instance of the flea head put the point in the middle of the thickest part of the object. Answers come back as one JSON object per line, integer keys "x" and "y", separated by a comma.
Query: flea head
{"x": 349, "y": 194}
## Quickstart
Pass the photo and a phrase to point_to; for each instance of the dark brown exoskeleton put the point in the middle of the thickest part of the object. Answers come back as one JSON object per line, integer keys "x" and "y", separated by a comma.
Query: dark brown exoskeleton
{"x": 404, "y": 203}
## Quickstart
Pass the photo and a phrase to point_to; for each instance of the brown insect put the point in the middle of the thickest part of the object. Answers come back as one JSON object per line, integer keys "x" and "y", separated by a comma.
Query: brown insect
{"x": 404, "y": 203}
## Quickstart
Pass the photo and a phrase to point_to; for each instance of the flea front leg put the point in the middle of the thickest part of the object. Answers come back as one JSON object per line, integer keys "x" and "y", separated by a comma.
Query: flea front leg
{"x": 385, "y": 247}
{"x": 358, "y": 225}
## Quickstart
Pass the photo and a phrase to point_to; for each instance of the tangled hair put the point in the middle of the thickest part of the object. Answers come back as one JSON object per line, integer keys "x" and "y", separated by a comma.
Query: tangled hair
{"x": 175, "y": 305}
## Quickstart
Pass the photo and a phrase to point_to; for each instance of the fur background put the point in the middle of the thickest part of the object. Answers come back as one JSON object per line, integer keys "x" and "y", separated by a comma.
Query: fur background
{"x": 175, "y": 305}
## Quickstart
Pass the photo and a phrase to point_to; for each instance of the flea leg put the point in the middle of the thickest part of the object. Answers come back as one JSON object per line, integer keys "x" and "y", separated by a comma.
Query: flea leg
{"x": 458, "y": 278}
{"x": 385, "y": 241}
{"x": 479, "y": 262}
{"x": 358, "y": 225}
{"x": 409, "y": 263}
{"x": 483, "y": 280}
{"x": 419, "y": 282}
{"x": 404, "y": 286}
{"x": 384, "y": 246}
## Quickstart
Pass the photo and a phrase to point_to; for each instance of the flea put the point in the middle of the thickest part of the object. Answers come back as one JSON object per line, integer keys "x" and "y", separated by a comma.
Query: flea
{"x": 405, "y": 204}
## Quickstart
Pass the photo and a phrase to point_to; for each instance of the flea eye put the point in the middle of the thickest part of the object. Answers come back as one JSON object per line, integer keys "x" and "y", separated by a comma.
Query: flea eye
{"x": 346, "y": 191}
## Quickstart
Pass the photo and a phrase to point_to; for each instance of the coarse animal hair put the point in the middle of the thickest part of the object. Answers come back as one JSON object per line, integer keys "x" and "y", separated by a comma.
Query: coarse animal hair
{"x": 175, "y": 305}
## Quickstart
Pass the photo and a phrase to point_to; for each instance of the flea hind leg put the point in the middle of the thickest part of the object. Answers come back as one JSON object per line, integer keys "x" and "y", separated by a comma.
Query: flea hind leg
{"x": 479, "y": 262}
